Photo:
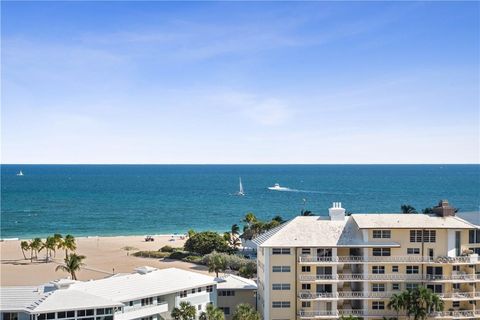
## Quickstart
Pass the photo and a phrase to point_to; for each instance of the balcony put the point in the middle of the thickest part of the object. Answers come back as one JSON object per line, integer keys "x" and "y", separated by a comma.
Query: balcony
{"x": 343, "y": 295}
{"x": 142, "y": 311}
{"x": 319, "y": 314}
{"x": 456, "y": 314}
{"x": 460, "y": 296}
{"x": 389, "y": 277}
{"x": 470, "y": 259}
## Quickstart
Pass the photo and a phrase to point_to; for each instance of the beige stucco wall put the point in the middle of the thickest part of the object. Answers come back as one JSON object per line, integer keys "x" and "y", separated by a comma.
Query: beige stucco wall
{"x": 241, "y": 296}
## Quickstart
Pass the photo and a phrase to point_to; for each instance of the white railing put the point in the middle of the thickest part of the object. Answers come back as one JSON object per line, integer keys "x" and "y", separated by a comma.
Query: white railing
{"x": 388, "y": 277}
{"x": 315, "y": 314}
{"x": 455, "y": 314}
{"x": 460, "y": 295}
{"x": 471, "y": 259}
{"x": 307, "y": 295}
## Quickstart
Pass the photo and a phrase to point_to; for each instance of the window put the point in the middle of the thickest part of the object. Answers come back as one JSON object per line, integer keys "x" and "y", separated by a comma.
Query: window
{"x": 378, "y": 269}
{"x": 199, "y": 289}
{"x": 80, "y": 313}
{"x": 209, "y": 288}
{"x": 456, "y": 286}
{"x": 281, "y": 250}
{"x": 381, "y": 252}
{"x": 281, "y": 286}
{"x": 281, "y": 268}
{"x": 434, "y": 272}
{"x": 89, "y": 312}
{"x": 412, "y": 269}
{"x": 41, "y": 316}
{"x": 457, "y": 242}
{"x": 193, "y": 290}
{"x": 306, "y": 269}
{"x": 378, "y": 287}
{"x": 305, "y": 250}
{"x": 226, "y": 310}
{"x": 100, "y": 311}
{"x": 71, "y": 314}
{"x": 226, "y": 293}
{"x": 394, "y": 268}
{"x": 51, "y": 315}
{"x": 147, "y": 301}
{"x": 199, "y": 307}
{"x": 413, "y": 250}
{"x": 63, "y": 314}
{"x": 456, "y": 268}
{"x": 456, "y": 304}
{"x": 411, "y": 286}
{"x": 183, "y": 294}
{"x": 280, "y": 304}
{"x": 378, "y": 305}
{"x": 306, "y": 286}
{"x": 306, "y": 304}
{"x": 395, "y": 286}
{"x": 436, "y": 288}
{"x": 130, "y": 303}
{"x": 10, "y": 316}
{"x": 381, "y": 234}
{"x": 428, "y": 236}
{"x": 474, "y": 236}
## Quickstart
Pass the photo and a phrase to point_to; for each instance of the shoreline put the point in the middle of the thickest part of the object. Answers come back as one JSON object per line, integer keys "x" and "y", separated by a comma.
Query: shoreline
{"x": 98, "y": 236}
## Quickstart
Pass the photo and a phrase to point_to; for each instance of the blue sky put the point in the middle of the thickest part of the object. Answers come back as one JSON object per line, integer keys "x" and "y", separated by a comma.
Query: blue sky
{"x": 231, "y": 82}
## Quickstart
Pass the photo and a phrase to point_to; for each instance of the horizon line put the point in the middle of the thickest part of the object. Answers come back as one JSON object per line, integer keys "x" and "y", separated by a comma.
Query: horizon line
{"x": 236, "y": 164}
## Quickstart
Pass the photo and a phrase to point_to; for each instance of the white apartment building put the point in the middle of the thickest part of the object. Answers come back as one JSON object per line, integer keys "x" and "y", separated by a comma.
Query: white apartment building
{"x": 146, "y": 294}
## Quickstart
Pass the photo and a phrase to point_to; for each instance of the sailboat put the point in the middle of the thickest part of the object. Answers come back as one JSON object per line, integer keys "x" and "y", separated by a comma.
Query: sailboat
{"x": 240, "y": 191}
{"x": 20, "y": 173}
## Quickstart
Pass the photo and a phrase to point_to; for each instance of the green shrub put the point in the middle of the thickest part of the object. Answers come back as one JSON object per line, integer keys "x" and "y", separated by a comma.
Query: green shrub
{"x": 234, "y": 262}
{"x": 152, "y": 254}
{"x": 179, "y": 255}
{"x": 248, "y": 270}
{"x": 193, "y": 259}
{"x": 167, "y": 249}
{"x": 206, "y": 242}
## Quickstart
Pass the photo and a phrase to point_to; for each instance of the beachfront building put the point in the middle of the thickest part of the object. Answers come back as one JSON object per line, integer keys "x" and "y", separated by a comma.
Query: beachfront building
{"x": 326, "y": 267}
{"x": 233, "y": 290}
{"x": 146, "y": 294}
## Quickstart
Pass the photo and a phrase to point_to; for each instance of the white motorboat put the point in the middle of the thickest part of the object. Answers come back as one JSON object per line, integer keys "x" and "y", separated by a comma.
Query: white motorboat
{"x": 20, "y": 173}
{"x": 277, "y": 187}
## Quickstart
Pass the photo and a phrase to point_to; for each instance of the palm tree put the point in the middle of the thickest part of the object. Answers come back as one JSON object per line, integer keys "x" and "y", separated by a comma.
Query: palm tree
{"x": 58, "y": 242}
{"x": 406, "y": 208}
{"x": 427, "y": 210}
{"x": 306, "y": 213}
{"x": 185, "y": 312}
{"x": 245, "y": 311}
{"x": 217, "y": 263}
{"x": 24, "y": 246}
{"x": 191, "y": 233}
{"x": 279, "y": 219}
{"x": 69, "y": 244}
{"x": 73, "y": 263}
{"x": 250, "y": 218}
{"x": 36, "y": 246}
{"x": 235, "y": 230}
{"x": 212, "y": 313}
{"x": 233, "y": 241}
{"x": 396, "y": 303}
{"x": 50, "y": 244}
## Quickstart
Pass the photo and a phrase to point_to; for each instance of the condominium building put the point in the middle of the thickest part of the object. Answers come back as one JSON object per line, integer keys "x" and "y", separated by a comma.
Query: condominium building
{"x": 315, "y": 267}
{"x": 233, "y": 290}
{"x": 146, "y": 294}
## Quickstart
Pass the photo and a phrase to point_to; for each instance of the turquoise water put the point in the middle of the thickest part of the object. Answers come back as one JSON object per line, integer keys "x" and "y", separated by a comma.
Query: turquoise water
{"x": 154, "y": 199}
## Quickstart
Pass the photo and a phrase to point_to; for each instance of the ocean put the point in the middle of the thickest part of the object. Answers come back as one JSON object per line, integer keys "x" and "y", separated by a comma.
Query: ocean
{"x": 159, "y": 199}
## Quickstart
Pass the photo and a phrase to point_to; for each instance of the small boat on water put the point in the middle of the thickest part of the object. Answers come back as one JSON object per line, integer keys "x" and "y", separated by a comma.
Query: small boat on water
{"x": 20, "y": 173}
{"x": 240, "y": 190}
{"x": 277, "y": 187}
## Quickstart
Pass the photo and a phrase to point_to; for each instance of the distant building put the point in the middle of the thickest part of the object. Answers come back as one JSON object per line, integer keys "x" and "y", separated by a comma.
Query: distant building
{"x": 327, "y": 267}
{"x": 146, "y": 294}
{"x": 233, "y": 290}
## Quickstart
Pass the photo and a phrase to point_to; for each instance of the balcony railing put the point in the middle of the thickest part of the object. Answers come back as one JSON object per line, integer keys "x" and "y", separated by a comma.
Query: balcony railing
{"x": 460, "y": 295}
{"x": 389, "y": 277}
{"x": 470, "y": 259}
{"x": 308, "y": 295}
{"x": 384, "y": 312}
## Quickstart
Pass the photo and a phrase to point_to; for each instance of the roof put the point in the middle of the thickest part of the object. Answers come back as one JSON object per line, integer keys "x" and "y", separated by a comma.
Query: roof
{"x": 392, "y": 221}
{"x": 136, "y": 285}
{"x": 471, "y": 216}
{"x": 231, "y": 281}
{"x": 107, "y": 292}
{"x": 314, "y": 231}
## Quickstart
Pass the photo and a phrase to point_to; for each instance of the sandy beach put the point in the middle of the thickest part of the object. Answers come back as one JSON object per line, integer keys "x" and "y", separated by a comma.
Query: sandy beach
{"x": 105, "y": 255}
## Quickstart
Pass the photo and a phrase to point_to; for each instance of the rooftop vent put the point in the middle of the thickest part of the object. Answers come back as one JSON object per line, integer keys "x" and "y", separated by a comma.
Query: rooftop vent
{"x": 444, "y": 209}
{"x": 145, "y": 269}
{"x": 63, "y": 283}
{"x": 336, "y": 212}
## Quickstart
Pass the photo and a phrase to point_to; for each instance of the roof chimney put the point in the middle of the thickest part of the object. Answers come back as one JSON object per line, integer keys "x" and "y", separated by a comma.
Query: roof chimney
{"x": 444, "y": 209}
{"x": 336, "y": 212}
